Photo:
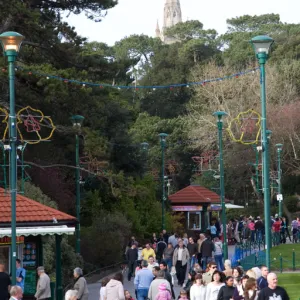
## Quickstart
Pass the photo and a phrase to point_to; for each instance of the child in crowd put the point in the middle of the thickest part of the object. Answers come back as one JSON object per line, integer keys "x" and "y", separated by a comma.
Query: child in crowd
{"x": 183, "y": 295}
{"x": 127, "y": 295}
{"x": 163, "y": 293}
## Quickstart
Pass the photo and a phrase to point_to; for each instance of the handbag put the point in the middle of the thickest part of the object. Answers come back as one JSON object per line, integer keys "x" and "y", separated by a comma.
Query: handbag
{"x": 173, "y": 271}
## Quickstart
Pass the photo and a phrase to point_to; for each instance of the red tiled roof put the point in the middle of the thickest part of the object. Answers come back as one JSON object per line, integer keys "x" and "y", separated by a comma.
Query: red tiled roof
{"x": 29, "y": 210}
{"x": 195, "y": 194}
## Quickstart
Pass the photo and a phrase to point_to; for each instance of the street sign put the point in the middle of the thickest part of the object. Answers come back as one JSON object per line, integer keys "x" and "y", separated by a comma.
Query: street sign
{"x": 279, "y": 197}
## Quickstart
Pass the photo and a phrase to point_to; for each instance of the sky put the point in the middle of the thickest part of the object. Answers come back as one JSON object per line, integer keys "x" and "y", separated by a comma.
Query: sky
{"x": 140, "y": 16}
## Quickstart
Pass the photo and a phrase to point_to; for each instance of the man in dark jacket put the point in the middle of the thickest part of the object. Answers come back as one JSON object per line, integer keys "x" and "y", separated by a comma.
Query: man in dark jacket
{"x": 259, "y": 228}
{"x": 193, "y": 251}
{"x": 131, "y": 257}
{"x": 207, "y": 247}
{"x": 160, "y": 247}
{"x": 165, "y": 236}
{"x": 163, "y": 266}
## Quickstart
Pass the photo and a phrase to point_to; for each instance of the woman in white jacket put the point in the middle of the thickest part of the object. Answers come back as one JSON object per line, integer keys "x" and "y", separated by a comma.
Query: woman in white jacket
{"x": 114, "y": 288}
{"x": 198, "y": 289}
{"x": 214, "y": 287}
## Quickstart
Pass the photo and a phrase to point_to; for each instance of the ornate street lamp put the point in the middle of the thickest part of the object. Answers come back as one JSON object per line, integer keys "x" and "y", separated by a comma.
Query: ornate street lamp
{"x": 145, "y": 146}
{"x": 162, "y": 137}
{"x": 261, "y": 45}
{"x": 220, "y": 115}
{"x": 77, "y": 121}
{"x": 11, "y": 43}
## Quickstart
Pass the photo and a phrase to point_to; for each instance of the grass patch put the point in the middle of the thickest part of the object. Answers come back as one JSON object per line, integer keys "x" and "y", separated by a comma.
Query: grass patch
{"x": 286, "y": 251}
{"x": 290, "y": 281}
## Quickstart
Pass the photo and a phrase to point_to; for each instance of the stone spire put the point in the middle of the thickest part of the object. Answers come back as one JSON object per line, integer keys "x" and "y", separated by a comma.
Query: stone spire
{"x": 157, "y": 31}
{"x": 172, "y": 16}
{"x": 172, "y": 13}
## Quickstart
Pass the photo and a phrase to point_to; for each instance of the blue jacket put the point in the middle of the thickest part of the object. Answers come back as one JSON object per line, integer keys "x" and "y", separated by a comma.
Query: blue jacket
{"x": 262, "y": 282}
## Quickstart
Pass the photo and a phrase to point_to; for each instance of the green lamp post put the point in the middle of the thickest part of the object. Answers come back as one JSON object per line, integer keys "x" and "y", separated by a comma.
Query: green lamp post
{"x": 163, "y": 137}
{"x": 11, "y": 43}
{"x": 279, "y": 196}
{"x": 219, "y": 115}
{"x": 77, "y": 123}
{"x": 261, "y": 45}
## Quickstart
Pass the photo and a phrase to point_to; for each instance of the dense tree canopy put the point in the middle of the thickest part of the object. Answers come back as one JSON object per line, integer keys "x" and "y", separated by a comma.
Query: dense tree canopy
{"x": 121, "y": 190}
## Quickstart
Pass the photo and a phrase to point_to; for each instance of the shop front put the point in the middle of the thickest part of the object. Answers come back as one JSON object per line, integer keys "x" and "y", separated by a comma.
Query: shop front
{"x": 197, "y": 203}
{"x": 34, "y": 220}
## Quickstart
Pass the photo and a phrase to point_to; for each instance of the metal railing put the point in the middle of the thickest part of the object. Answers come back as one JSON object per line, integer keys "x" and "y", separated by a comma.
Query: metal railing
{"x": 98, "y": 273}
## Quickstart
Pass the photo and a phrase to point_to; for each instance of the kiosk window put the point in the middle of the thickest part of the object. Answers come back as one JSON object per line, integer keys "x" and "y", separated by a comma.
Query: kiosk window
{"x": 194, "y": 220}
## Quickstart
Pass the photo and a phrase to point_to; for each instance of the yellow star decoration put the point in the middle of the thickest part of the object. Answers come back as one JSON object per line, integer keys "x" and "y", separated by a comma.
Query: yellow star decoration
{"x": 245, "y": 128}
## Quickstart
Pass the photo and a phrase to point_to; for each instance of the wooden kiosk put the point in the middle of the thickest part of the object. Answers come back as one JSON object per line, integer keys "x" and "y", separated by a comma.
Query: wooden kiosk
{"x": 34, "y": 220}
{"x": 197, "y": 203}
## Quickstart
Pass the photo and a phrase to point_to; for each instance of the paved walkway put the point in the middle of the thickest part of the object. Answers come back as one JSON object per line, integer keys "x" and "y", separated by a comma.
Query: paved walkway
{"x": 94, "y": 288}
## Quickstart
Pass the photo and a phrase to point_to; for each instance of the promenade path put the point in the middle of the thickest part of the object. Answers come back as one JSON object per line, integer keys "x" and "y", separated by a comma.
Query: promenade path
{"x": 94, "y": 288}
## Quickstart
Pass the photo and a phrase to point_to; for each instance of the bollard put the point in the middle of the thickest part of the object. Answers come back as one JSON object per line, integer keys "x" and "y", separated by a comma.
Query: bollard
{"x": 294, "y": 260}
{"x": 280, "y": 260}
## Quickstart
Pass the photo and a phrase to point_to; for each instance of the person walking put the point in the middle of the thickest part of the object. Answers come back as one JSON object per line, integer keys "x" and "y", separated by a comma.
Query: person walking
{"x": 5, "y": 283}
{"x": 251, "y": 292}
{"x": 80, "y": 285}
{"x": 43, "y": 290}
{"x": 20, "y": 274}
{"x": 114, "y": 288}
{"x": 226, "y": 291}
{"x": 193, "y": 251}
{"x": 227, "y": 268}
{"x": 276, "y": 230}
{"x": 165, "y": 236}
{"x": 259, "y": 228}
{"x": 148, "y": 251}
{"x": 262, "y": 281}
{"x": 218, "y": 253}
{"x": 142, "y": 281}
{"x": 294, "y": 226}
{"x": 16, "y": 293}
{"x": 207, "y": 277}
{"x": 163, "y": 293}
{"x": 190, "y": 282}
{"x": 160, "y": 247}
{"x": 273, "y": 291}
{"x": 168, "y": 255}
{"x": 199, "y": 243}
{"x": 285, "y": 229}
{"x": 151, "y": 263}
{"x": 163, "y": 266}
{"x": 239, "y": 290}
{"x": 207, "y": 248}
{"x": 198, "y": 289}
{"x": 214, "y": 286}
{"x": 237, "y": 274}
{"x": 155, "y": 285}
{"x": 173, "y": 240}
{"x": 131, "y": 257}
{"x": 104, "y": 282}
{"x": 180, "y": 259}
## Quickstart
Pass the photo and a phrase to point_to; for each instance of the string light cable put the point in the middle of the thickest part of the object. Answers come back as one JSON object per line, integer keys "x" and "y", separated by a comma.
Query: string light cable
{"x": 135, "y": 87}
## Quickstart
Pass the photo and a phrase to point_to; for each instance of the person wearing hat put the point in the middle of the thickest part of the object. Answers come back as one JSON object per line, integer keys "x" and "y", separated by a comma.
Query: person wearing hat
{"x": 43, "y": 291}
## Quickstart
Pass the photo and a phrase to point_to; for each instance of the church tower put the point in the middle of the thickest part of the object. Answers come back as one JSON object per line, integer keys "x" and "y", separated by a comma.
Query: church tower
{"x": 172, "y": 16}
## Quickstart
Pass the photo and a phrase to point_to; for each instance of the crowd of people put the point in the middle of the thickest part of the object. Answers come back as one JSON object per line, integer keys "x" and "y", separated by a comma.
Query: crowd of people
{"x": 156, "y": 267}
{"x": 253, "y": 229}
